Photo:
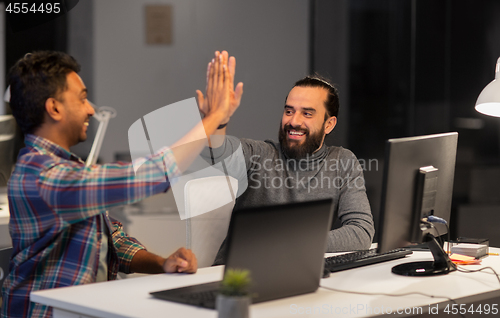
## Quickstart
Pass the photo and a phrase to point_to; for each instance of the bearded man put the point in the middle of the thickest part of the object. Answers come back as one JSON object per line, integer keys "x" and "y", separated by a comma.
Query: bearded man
{"x": 300, "y": 167}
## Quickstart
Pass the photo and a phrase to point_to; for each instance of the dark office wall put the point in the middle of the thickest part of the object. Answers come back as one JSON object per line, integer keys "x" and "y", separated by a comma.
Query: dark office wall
{"x": 330, "y": 55}
{"x": 417, "y": 66}
{"x": 51, "y": 35}
{"x": 414, "y": 67}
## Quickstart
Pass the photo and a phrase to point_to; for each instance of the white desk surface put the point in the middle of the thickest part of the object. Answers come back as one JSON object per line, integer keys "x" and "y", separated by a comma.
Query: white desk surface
{"x": 130, "y": 297}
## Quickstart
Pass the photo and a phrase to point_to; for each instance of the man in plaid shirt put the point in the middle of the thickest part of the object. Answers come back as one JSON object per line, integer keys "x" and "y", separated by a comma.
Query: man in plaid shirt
{"x": 61, "y": 233}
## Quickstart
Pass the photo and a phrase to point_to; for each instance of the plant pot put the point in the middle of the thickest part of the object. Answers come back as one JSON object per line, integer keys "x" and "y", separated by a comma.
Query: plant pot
{"x": 233, "y": 306}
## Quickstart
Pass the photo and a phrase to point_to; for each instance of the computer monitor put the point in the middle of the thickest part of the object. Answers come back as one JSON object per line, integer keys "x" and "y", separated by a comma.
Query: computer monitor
{"x": 418, "y": 182}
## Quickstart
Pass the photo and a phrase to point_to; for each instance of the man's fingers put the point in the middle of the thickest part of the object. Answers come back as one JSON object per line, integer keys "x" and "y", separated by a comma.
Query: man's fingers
{"x": 210, "y": 82}
{"x": 175, "y": 264}
{"x": 220, "y": 68}
{"x": 201, "y": 101}
{"x": 190, "y": 258}
{"x": 199, "y": 96}
{"x": 182, "y": 260}
{"x": 227, "y": 78}
{"x": 232, "y": 65}
{"x": 238, "y": 92}
{"x": 209, "y": 65}
{"x": 215, "y": 65}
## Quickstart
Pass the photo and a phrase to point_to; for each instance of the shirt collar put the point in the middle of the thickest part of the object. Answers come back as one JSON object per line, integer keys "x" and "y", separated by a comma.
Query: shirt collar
{"x": 46, "y": 146}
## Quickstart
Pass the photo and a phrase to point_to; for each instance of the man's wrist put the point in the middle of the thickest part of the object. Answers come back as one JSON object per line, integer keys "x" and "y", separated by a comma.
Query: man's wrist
{"x": 215, "y": 116}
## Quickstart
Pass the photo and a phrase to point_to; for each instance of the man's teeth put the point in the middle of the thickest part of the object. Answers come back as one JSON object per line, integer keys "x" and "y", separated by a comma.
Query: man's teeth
{"x": 86, "y": 123}
{"x": 296, "y": 133}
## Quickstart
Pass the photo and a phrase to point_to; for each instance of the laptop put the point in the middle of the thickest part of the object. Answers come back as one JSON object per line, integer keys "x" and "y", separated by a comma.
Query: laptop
{"x": 282, "y": 246}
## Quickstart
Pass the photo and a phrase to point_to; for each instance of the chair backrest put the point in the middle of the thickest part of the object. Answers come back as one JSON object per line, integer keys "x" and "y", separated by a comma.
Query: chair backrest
{"x": 4, "y": 263}
{"x": 7, "y": 125}
{"x": 7, "y": 143}
{"x": 206, "y": 231}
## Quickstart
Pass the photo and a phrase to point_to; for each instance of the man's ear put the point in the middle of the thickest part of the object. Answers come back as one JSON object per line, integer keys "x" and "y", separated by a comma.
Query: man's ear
{"x": 330, "y": 124}
{"x": 53, "y": 109}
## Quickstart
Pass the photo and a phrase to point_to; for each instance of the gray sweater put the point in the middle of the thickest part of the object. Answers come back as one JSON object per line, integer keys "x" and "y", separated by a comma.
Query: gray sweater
{"x": 331, "y": 172}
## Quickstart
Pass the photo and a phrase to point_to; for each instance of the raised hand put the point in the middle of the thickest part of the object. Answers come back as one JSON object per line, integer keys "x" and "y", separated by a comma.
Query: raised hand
{"x": 234, "y": 93}
{"x": 218, "y": 88}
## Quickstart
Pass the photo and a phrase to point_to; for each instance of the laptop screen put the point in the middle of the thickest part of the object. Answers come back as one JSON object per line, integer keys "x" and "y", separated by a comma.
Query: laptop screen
{"x": 282, "y": 246}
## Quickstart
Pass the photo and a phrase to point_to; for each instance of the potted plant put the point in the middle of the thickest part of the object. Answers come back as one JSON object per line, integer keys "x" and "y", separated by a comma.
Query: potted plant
{"x": 233, "y": 300}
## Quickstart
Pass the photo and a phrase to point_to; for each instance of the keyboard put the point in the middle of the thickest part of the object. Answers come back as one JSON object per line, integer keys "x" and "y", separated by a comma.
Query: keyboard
{"x": 362, "y": 258}
{"x": 203, "y": 295}
{"x": 201, "y": 299}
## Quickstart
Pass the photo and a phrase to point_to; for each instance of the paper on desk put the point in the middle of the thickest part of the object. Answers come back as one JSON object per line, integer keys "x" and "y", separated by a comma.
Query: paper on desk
{"x": 459, "y": 259}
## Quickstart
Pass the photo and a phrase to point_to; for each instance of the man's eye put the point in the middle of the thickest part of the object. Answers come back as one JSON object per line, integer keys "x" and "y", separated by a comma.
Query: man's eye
{"x": 308, "y": 114}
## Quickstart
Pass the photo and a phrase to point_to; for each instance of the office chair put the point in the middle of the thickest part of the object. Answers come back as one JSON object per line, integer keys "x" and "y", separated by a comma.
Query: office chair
{"x": 7, "y": 125}
{"x": 205, "y": 232}
{"x": 7, "y": 142}
{"x": 6, "y": 157}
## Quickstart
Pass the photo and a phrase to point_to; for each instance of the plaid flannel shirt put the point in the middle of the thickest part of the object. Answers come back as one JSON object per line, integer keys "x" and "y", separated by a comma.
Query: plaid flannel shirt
{"x": 55, "y": 205}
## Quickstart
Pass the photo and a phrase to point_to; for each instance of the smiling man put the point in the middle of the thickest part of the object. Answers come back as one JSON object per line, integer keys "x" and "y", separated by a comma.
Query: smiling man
{"x": 60, "y": 229}
{"x": 304, "y": 125}
{"x": 301, "y": 167}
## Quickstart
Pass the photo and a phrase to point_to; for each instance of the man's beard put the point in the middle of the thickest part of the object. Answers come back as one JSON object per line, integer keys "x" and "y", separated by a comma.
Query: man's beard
{"x": 293, "y": 149}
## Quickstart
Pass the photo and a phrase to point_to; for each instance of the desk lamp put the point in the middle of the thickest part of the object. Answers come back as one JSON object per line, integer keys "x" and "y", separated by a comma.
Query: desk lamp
{"x": 103, "y": 115}
{"x": 488, "y": 102}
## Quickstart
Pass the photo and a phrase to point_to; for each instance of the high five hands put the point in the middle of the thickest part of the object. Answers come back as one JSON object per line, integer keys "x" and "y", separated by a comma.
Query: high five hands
{"x": 220, "y": 91}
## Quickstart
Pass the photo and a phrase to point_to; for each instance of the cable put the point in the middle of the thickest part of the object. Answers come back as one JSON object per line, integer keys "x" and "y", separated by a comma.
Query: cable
{"x": 436, "y": 219}
{"x": 392, "y": 295}
{"x": 479, "y": 270}
{"x": 430, "y": 225}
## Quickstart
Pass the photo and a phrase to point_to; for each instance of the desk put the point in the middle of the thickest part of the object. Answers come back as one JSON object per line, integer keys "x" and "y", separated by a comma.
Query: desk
{"x": 130, "y": 297}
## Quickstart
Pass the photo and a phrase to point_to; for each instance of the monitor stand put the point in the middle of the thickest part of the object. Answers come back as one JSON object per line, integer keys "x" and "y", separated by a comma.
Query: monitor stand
{"x": 440, "y": 266}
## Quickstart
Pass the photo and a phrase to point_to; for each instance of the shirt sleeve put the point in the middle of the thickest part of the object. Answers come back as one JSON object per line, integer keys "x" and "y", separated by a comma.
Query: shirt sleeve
{"x": 126, "y": 246}
{"x": 354, "y": 213}
{"x": 232, "y": 160}
{"x": 76, "y": 192}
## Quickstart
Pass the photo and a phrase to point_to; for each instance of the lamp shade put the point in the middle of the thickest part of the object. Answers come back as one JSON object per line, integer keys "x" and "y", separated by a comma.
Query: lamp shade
{"x": 488, "y": 102}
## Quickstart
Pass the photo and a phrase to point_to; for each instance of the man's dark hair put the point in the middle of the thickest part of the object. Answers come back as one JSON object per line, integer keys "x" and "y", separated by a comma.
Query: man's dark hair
{"x": 35, "y": 78}
{"x": 332, "y": 101}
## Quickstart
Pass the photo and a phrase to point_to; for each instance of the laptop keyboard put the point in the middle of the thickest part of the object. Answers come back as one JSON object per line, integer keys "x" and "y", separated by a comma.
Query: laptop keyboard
{"x": 202, "y": 295}
{"x": 202, "y": 299}
{"x": 362, "y": 258}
